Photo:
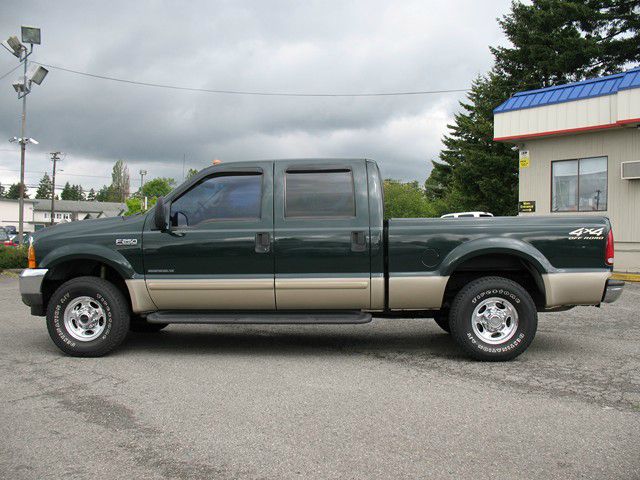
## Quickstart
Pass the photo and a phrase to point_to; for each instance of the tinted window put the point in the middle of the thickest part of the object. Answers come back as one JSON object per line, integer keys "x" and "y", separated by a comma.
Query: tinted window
{"x": 466, "y": 215}
{"x": 579, "y": 185}
{"x": 3, "y": 235}
{"x": 326, "y": 193}
{"x": 226, "y": 197}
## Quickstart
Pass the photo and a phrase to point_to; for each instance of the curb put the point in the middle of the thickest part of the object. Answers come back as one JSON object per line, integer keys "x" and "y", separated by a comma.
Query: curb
{"x": 627, "y": 277}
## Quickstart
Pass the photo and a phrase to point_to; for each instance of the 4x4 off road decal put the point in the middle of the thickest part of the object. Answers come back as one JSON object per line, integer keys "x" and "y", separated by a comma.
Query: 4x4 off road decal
{"x": 586, "y": 233}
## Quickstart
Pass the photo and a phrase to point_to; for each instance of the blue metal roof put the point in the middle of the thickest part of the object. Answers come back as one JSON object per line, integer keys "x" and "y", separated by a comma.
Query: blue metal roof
{"x": 594, "y": 87}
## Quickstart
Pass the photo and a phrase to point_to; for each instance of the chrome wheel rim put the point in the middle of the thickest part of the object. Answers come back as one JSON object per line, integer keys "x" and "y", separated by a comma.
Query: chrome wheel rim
{"x": 494, "y": 320}
{"x": 84, "y": 319}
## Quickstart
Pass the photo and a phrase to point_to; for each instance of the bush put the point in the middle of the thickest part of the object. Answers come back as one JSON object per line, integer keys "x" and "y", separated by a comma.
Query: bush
{"x": 13, "y": 257}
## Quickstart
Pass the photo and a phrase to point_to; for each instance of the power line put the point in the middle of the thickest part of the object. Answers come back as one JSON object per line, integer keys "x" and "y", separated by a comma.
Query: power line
{"x": 11, "y": 71}
{"x": 32, "y": 172}
{"x": 254, "y": 93}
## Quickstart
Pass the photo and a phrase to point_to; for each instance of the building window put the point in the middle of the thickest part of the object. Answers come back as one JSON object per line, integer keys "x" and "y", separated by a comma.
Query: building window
{"x": 46, "y": 214}
{"x": 579, "y": 185}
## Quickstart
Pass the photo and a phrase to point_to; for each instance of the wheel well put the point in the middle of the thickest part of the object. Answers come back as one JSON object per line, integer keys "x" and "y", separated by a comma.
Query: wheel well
{"x": 509, "y": 266}
{"x": 65, "y": 271}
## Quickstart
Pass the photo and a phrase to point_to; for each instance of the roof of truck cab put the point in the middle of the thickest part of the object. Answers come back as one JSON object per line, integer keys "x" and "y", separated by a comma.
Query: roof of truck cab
{"x": 248, "y": 163}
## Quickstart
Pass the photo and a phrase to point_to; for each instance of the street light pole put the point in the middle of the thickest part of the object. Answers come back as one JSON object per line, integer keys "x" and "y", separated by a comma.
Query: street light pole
{"x": 23, "y": 148}
{"x": 30, "y": 35}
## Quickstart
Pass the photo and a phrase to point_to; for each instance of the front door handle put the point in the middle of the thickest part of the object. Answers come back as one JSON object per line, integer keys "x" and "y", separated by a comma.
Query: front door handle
{"x": 358, "y": 241}
{"x": 263, "y": 242}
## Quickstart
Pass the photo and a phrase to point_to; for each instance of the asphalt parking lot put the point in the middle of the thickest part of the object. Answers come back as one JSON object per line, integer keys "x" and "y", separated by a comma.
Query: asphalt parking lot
{"x": 390, "y": 399}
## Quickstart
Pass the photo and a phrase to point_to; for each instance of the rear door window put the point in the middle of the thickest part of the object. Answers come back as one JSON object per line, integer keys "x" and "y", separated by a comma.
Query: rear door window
{"x": 319, "y": 193}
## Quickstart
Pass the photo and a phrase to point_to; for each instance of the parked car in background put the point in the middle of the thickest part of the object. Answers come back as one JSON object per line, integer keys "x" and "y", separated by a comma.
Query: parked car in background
{"x": 5, "y": 239}
{"x": 10, "y": 229}
{"x": 467, "y": 215}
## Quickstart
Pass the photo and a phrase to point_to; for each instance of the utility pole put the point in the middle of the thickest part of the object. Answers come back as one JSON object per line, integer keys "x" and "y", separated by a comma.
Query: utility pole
{"x": 55, "y": 156}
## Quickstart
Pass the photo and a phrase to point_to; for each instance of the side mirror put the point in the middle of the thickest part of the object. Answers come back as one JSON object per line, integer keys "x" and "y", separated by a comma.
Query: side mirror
{"x": 160, "y": 215}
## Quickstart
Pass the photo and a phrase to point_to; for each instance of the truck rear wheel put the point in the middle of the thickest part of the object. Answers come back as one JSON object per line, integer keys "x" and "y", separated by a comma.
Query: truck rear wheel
{"x": 493, "y": 319}
{"x": 87, "y": 317}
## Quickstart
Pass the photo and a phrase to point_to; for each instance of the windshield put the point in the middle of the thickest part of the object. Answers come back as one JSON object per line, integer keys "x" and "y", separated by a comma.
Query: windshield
{"x": 3, "y": 236}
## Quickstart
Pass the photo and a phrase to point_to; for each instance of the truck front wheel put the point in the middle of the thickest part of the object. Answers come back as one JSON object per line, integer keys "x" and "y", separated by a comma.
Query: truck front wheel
{"x": 87, "y": 317}
{"x": 493, "y": 319}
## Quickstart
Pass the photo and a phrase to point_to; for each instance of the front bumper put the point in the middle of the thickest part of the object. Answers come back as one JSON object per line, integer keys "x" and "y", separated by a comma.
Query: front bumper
{"x": 612, "y": 291}
{"x": 31, "y": 288}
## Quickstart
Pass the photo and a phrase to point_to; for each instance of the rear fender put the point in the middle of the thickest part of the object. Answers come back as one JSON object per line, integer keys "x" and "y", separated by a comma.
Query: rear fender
{"x": 485, "y": 246}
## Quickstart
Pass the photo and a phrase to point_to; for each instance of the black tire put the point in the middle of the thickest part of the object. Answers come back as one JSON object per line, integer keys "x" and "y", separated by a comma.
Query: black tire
{"x": 472, "y": 296}
{"x": 142, "y": 326}
{"x": 115, "y": 321}
{"x": 443, "y": 322}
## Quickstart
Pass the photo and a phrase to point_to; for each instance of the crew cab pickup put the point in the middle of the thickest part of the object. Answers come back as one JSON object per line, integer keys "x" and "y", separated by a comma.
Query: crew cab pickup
{"x": 305, "y": 241}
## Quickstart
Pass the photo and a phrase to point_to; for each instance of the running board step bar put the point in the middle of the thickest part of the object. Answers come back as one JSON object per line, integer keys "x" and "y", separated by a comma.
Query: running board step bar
{"x": 283, "y": 317}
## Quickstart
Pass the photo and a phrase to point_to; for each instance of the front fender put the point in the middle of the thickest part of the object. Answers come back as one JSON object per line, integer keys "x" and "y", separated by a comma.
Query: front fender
{"x": 484, "y": 246}
{"x": 87, "y": 251}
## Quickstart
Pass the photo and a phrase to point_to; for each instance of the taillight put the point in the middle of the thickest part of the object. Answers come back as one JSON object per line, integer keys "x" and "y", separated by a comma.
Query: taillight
{"x": 31, "y": 257}
{"x": 608, "y": 252}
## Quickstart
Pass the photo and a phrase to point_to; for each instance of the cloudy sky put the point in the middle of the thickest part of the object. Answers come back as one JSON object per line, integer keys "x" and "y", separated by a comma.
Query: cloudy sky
{"x": 275, "y": 46}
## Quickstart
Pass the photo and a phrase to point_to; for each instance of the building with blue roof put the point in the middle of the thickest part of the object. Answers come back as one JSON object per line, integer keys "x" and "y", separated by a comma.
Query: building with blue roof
{"x": 579, "y": 147}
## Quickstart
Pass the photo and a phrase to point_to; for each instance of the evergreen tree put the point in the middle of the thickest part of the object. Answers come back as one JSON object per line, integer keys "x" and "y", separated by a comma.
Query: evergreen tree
{"x": 45, "y": 188}
{"x": 91, "y": 196}
{"x": 552, "y": 42}
{"x": 105, "y": 194}
{"x": 14, "y": 192}
{"x": 78, "y": 192}
{"x": 67, "y": 192}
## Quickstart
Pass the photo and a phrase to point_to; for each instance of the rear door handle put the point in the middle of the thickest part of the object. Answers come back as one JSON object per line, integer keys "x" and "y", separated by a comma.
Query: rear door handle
{"x": 263, "y": 242}
{"x": 358, "y": 241}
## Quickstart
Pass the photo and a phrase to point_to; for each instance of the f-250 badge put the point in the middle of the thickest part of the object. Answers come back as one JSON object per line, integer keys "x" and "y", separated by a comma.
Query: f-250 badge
{"x": 126, "y": 241}
{"x": 585, "y": 233}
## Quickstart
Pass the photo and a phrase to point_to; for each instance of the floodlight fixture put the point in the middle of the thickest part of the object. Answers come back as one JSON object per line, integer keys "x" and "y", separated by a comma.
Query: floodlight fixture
{"x": 31, "y": 35}
{"x": 18, "y": 86}
{"x": 15, "y": 45}
{"x": 13, "y": 139}
{"x": 31, "y": 140}
{"x": 37, "y": 75}
{"x": 6, "y": 46}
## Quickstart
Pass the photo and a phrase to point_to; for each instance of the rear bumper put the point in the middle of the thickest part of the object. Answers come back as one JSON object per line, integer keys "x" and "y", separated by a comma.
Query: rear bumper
{"x": 612, "y": 291}
{"x": 31, "y": 287}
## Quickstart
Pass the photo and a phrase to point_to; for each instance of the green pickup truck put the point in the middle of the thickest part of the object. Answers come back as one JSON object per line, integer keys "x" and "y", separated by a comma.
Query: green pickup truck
{"x": 305, "y": 241}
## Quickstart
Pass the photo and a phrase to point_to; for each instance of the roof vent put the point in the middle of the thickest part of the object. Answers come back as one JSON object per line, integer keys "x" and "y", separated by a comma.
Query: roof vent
{"x": 630, "y": 170}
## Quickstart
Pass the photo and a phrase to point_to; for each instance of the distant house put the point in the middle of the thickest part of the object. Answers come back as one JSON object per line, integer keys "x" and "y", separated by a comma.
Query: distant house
{"x": 9, "y": 213}
{"x": 37, "y": 213}
{"x": 73, "y": 210}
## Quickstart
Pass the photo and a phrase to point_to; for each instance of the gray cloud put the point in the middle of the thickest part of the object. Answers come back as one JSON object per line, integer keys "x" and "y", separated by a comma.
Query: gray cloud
{"x": 280, "y": 46}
